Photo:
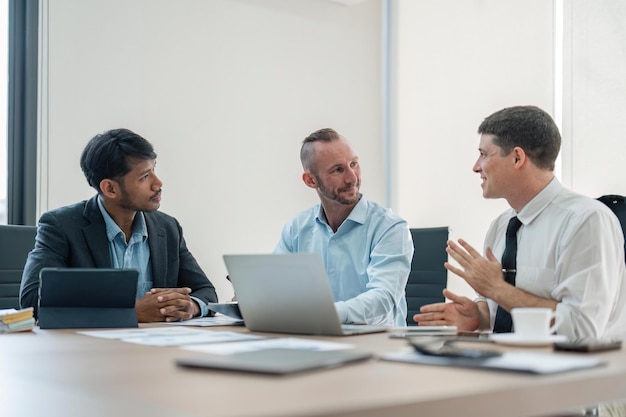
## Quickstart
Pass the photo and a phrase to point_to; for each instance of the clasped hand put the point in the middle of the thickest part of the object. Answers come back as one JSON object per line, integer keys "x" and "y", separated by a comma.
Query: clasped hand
{"x": 166, "y": 304}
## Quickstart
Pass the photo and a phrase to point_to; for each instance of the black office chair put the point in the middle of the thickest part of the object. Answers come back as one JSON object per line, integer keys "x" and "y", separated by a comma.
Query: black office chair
{"x": 428, "y": 276}
{"x": 15, "y": 243}
{"x": 617, "y": 204}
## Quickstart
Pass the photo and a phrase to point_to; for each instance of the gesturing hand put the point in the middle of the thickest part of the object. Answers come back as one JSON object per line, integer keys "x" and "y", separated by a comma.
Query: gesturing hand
{"x": 484, "y": 275}
{"x": 460, "y": 311}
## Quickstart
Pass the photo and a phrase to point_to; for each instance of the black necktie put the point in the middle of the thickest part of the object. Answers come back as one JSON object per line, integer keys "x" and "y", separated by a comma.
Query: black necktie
{"x": 503, "y": 323}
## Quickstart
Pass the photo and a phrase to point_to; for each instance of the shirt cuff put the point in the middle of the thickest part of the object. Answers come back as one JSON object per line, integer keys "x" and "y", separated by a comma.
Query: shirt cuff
{"x": 342, "y": 311}
{"x": 204, "y": 310}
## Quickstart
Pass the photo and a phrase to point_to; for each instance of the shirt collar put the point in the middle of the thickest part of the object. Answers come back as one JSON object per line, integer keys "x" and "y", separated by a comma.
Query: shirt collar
{"x": 535, "y": 206}
{"x": 357, "y": 215}
{"x": 139, "y": 225}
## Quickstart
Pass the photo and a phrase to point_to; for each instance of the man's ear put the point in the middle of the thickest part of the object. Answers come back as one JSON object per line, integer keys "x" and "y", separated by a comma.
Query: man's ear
{"x": 520, "y": 156}
{"x": 309, "y": 179}
{"x": 109, "y": 188}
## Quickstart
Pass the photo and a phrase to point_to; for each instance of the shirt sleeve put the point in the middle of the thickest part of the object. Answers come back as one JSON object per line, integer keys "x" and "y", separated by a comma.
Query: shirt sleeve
{"x": 285, "y": 243}
{"x": 589, "y": 274}
{"x": 388, "y": 272}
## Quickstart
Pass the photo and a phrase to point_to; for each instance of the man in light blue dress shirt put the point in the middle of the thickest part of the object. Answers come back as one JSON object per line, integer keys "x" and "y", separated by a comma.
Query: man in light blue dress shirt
{"x": 366, "y": 249}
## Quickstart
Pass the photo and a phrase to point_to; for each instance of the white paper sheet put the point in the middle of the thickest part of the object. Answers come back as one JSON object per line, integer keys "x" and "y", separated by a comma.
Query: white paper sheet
{"x": 208, "y": 322}
{"x": 170, "y": 336}
{"x": 284, "y": 343}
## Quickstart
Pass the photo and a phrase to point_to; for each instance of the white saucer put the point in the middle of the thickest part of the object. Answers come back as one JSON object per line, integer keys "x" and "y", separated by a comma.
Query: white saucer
{"x": 516, "y": 340}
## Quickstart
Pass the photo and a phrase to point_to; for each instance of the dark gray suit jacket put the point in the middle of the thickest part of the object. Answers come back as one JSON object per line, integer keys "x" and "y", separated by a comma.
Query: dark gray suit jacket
{"x": 75, "y": 236}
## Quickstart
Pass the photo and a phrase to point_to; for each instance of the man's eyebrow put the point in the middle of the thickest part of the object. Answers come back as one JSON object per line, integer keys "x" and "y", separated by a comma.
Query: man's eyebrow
{"x": 152, "y": 168}
{"x": 146, "y": 171}
{"x": 339, "y": 164}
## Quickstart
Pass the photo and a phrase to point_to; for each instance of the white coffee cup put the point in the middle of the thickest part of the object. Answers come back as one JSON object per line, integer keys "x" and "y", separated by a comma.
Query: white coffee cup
{"x": 532, "y": 322}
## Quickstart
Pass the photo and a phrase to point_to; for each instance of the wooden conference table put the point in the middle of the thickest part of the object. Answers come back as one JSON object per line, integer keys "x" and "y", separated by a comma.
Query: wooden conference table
{"x": 61, "y": 373}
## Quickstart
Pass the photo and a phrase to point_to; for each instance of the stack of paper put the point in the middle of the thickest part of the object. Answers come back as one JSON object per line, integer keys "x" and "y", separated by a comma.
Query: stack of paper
{"x": 13, "y": 320}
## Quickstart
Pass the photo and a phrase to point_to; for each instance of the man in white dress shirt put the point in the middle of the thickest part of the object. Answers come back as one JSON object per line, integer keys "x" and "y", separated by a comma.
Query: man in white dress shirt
{"x": 570, "y": 254}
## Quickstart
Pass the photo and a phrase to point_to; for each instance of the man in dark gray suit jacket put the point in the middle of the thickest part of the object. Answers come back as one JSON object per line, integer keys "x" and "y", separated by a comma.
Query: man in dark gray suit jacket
{"x": 120, "y": 227}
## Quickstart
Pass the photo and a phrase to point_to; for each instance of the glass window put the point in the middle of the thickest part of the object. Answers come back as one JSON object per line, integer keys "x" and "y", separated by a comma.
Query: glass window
{"x": 4, "y": 55}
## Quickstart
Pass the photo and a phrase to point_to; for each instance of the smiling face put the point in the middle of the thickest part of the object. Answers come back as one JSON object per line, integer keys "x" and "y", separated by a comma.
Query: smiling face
{"x": 335, "y": 172}
{"x": 140, "y": 189}
{"x": 496, "y": 170}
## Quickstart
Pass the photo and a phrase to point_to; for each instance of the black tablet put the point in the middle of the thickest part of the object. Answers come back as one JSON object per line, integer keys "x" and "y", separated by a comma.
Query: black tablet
{"x": 87, "y": 298}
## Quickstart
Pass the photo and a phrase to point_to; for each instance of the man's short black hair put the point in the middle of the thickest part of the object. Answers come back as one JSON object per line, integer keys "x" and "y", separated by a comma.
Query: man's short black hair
{"x": 528, "y": 127}
{"x": 110, "y": 155}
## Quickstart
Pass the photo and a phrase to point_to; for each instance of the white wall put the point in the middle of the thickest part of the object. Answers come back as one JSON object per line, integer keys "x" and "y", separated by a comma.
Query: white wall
{"x": 226, "y": 90}
{"x": 456, "y": 62}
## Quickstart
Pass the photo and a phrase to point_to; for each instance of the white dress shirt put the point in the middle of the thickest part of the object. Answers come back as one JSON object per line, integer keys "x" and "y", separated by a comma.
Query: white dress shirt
{"x": 570, "y": 249}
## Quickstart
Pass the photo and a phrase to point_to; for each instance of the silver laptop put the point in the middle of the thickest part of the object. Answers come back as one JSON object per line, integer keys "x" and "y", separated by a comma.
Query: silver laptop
{"x": 287, "y": 293}
{"x": 276, "y": 361}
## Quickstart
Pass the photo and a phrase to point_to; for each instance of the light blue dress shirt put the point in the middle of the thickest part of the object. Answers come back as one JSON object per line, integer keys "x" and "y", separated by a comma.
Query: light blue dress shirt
{"x": 367, "y": 260}
{"x": 132, "y": 255}
{"x": 135, "y": 254}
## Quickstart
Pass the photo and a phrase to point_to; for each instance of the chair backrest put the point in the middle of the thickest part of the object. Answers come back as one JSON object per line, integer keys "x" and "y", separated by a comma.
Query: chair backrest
{"x": 617, "y": 204}
{"x": 428, "y": 276}
{"x": 15, "y": 243}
